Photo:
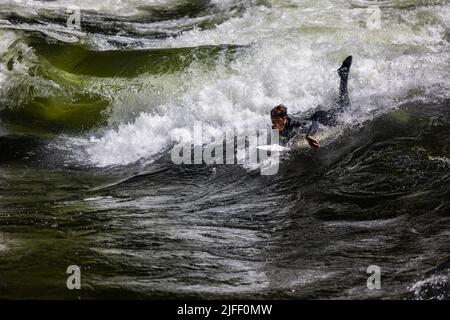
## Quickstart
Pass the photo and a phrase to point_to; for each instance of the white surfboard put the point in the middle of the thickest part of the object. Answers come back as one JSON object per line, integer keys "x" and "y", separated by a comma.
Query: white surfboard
{"x": 274, "y": 148}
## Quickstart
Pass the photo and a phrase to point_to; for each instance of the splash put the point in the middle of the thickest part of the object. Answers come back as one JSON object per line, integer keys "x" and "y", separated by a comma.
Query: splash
{"x": 287, "y": 53}
{"x": 291, "y": 60}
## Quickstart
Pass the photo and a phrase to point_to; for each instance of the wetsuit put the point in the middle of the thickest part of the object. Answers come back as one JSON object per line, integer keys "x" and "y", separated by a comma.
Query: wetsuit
{"x": 296, "y": 125}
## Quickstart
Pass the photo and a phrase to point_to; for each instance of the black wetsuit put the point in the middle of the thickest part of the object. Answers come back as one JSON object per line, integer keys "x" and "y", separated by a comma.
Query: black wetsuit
{"x": 296, "y": 125}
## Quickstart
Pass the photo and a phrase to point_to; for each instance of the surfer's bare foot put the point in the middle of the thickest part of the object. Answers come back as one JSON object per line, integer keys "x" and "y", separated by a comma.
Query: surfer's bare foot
{"x": 313, "y": 142}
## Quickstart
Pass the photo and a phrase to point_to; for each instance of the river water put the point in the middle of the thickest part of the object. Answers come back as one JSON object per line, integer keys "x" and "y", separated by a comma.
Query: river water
{"x": 88, "y": 117}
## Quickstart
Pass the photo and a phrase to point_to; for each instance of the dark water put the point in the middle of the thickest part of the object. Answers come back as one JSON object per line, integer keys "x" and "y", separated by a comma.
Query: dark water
{"x": 86, "y": 177}
{"x": 378, "y": 196}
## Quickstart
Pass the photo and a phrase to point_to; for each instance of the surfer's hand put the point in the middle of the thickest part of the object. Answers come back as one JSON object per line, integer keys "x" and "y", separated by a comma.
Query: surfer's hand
{"x": 313, "y": 142}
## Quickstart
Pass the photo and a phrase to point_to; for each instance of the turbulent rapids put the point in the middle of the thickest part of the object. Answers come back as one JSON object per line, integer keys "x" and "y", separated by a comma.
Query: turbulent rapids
{"x": 89, "y": 114}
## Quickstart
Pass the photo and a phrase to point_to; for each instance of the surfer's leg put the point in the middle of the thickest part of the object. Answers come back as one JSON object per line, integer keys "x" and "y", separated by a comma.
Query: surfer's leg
{"x": 343, "y": 71}
{"x": 329, "y": 118}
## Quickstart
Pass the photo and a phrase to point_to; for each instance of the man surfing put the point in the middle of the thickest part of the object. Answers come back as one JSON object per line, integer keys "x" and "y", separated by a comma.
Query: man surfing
{"x": 289, "y": 126}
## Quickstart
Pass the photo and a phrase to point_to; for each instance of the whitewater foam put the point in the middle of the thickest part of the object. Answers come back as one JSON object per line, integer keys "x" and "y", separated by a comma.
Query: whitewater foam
{"x": 116, "y": 7}
{"x": 290, "y": 56}
{"x": 6, "y": 39}
{"x": 296, "y": 68}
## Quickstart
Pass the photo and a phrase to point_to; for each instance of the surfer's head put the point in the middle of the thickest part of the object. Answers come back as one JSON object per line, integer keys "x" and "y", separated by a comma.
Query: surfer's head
{"x": 278, "y": 115}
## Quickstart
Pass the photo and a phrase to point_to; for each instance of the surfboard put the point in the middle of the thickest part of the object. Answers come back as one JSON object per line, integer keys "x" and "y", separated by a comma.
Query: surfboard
{"x": 274, "y": 148}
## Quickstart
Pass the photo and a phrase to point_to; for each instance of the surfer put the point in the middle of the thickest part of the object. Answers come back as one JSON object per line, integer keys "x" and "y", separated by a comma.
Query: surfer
{"x": 289, "y": 126}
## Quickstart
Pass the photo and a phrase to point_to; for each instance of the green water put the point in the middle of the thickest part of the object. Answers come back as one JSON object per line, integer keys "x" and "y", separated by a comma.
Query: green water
{"x": 88, "y": 118}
